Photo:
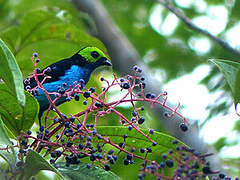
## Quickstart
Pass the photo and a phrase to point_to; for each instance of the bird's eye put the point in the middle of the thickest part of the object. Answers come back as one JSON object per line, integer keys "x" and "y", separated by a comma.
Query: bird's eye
{"x": 94, "y": 54}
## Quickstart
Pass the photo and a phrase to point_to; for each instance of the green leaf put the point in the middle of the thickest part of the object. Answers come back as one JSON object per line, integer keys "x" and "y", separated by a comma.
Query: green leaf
{"x": 52, "y": 37}
{"x": 11, "y": 37}
{"x": 137, "y": 140}
{"x": 8, "y": 155}
{"x": 10, "y": 73}
{"x": 230, "y": 70}
{"x": 81, "y": 172}
{"x": 35, "y": 163}
{"x": 14, "y": 116}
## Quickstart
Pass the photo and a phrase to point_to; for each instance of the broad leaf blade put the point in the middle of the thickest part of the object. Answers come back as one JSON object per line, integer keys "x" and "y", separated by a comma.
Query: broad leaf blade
{"x": 52, "y": 37}
{"x": 14, "y": 116}
{"x": 10, "y": 73}
{"x": 81, "y": 172}
{"x": 35, "y": 163}
{"x": 137, "y": 140}
{"x": 230, "y": 70}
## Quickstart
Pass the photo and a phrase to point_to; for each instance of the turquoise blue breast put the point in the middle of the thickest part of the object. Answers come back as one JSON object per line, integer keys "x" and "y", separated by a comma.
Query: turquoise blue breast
{"x": 74, "y": 74}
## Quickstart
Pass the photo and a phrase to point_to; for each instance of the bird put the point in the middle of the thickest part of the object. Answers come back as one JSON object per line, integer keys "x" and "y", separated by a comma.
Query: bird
{"x": 76, "y": 69}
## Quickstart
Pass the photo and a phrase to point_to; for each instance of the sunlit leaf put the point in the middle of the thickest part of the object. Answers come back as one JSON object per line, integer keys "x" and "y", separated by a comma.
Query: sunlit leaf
{"x": 10, "y": 73}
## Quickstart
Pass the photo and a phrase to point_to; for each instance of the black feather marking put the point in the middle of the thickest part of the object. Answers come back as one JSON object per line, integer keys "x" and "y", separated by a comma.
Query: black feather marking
{"x": 58, "y": 69}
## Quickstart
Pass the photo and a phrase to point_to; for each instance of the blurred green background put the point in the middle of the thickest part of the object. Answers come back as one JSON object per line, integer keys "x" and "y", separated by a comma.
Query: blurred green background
{"x": 56, "y": 29}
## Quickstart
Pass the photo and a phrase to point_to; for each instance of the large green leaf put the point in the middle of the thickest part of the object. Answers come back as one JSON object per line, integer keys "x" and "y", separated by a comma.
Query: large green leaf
{"x": 8, "y": 155}
{"x": 52, "y": 37}
{"x": 230, "y": 70}
{"x": 35, "y": 163}
{"x": 14, "y": 116}
{"x": 81, "y": 172}
{"x": 137, "y": 140}
{"x": 10, "y": 73}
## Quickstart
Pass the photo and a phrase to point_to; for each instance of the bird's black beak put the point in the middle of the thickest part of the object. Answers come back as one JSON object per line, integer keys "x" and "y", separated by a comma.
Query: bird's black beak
{"x": 105, "y": 62}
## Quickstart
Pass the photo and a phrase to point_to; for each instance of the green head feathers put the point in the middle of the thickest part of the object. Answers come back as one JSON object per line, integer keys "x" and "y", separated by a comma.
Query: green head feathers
{"x": 92, "y": 54}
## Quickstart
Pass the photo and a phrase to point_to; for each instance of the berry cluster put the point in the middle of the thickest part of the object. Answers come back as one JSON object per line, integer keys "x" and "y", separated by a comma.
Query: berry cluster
{"x": 73, "y": 138}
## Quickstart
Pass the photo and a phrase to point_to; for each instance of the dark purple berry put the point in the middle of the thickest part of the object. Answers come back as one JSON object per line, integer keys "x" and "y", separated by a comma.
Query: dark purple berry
{"x": 80, "y": 146}
{"x": 88, "y": 166}
{"x": 125, "y": 85}
{"x": 135, "y": 68}
{"x": 94, "y": 132}
{"x": 139, "y": 70}
{"x": 41, "y": 129}
{"x": 53, "y": 154}
{"x": 148, "y": 95}
{"x": 121, "y": 145}
{"x": 87, "y": 94}
{"x": 169, "y": 163}
{"x": 76, "y": 97}
{"x": 89, "y": 138}
{"x": 114, "y": 157}
{"x": 162, "y": 164}
{"x": 102, "y": 78}
{"x": 122, "y": 79}
{"x": 46, "y": 131}
{"x": 151, "y": 131}
{"x": 93, "y": 157}
{"x": 129, "y": 157}
{"x": 67, "y": 124}
{"x": 133, "y": 149}
{"x": 69, "y": 144}
{"x": 130, "y": 127}
{"x": 142, "y": 150}
{"x": 149, "y": 149}
{"x": 58, "y": 153}
{"x": 134, "y": 113}
{"x": 98, "y": 105}
{"x": 107, "y": 167}
{"x": 174, "y": 141}
{"x": 154, "y": 143}
{"x": 92, "y": 89}
{"x": 29, "y": 132}
{"x": 111, "y": 151}
{"x": 35, "y": 54}
{"x": 183, "y": 127}
{"x": 141, "y": 120}
{"x": 206, "y": 170}
{"x": 126, "y": 162}
{"x": 166, "y": 114}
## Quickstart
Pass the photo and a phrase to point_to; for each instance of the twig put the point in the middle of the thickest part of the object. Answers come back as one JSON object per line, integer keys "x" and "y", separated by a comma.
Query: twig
{"x": 193, "y": 26}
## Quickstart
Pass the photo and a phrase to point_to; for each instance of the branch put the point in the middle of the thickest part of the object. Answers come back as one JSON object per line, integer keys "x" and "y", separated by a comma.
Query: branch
{"x": 194, "y": 27}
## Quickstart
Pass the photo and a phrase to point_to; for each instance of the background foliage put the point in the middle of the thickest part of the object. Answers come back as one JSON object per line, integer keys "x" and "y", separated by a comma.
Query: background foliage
{"x": 56, "y": 29}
